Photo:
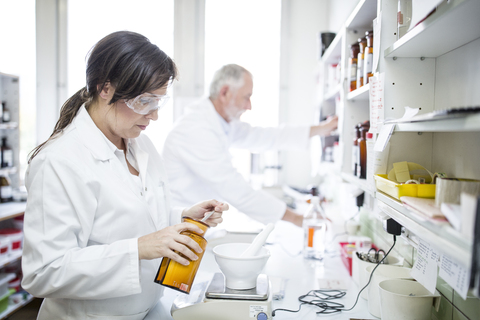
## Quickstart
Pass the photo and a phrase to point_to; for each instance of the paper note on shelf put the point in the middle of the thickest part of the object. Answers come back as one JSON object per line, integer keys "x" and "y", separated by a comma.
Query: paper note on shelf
{"x": 456, "y": 275}
{"x": 377, "y": 111}
{"x": 421, "y": 9}
{"x": 384, "y": 137}
{"x": 424, "y": 206}
{"x": 425, "y": 267}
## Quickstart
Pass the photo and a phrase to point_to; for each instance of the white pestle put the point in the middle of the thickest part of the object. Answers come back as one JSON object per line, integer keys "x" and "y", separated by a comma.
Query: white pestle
{"x": 258, "y": 242}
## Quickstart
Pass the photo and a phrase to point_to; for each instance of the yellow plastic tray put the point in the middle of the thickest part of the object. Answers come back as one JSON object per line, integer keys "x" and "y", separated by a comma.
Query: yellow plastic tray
{"x": 397, "y": 190}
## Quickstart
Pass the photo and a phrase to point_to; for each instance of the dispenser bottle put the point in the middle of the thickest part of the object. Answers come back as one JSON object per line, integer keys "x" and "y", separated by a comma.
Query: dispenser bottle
{"x": 314, "y": 228}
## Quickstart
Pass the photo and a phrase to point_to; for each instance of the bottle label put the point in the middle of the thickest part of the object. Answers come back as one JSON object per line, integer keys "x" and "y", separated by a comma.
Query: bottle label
{"x": 7, "y": 158}
{"x": 354, "y": 159}
{"x": 353, "y": 72}
{"x": 368, "y": 64}
{"x": 6, "y": 192}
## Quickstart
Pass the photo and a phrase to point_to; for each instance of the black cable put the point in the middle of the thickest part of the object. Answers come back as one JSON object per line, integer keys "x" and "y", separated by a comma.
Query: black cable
{"x": 321, "y": 298}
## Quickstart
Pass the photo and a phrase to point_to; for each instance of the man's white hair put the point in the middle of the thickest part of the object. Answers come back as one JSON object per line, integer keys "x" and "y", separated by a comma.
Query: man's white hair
{"x": 231, "y": 75}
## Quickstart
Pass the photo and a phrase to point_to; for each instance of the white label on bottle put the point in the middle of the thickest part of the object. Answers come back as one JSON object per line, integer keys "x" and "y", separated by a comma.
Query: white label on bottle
{"x": 353, "y": 72}
{"x": 6, "y": 192}
{"x": 354, "y": 159}
{"x": 368, "y": 64}
{"x": 8, "y": 158}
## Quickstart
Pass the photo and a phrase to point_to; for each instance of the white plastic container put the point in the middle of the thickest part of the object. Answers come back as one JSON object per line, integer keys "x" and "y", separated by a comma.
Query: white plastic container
{"x": 5, "y": 244}
{"x": 407, "y": 300}
{"x": 383, "y": 272}
{"x": 16, "y": 238}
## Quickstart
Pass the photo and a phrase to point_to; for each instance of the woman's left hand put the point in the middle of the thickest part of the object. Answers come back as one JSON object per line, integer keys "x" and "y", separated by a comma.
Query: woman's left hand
{"x": 199, "y": 210}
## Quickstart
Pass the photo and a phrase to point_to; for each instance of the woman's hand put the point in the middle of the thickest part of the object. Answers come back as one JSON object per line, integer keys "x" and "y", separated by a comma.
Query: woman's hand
{"x": 199, "y": 210}
{"x": 162, "y": 243}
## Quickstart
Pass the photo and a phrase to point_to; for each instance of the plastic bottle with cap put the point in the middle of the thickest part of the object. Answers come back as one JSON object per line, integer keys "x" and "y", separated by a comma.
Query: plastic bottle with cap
{"x": 314, "y": 228}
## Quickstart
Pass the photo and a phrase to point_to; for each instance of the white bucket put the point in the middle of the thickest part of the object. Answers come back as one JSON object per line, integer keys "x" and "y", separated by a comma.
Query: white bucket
{"x": 359, "y": 273}
{"x": 406, "y": 300}
{"x": 383, "y": 272}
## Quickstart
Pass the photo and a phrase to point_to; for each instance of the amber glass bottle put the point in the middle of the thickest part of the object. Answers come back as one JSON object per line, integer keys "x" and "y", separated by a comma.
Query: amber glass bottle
{"x": 362, "y": 146}
{"x": 355, "y": 150}
{"x": 352, "y": 65}
{"x": 362, "y": 42}
{"x": 368, "y": 57}
{"x": 177, "y": 276}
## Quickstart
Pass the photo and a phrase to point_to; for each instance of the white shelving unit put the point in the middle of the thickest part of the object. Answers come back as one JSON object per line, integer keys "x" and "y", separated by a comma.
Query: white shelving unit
{"x": 430, "y": 68}
{"x": 416, "y": 75}
{"x": 9, "y": 92}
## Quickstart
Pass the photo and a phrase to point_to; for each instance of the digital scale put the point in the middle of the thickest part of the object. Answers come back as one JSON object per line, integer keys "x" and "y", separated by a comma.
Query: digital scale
{"x": 217, "y": 302}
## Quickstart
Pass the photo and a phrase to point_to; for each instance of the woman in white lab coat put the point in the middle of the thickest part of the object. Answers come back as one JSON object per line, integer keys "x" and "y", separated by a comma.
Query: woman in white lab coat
{"x": 98, "y": 215}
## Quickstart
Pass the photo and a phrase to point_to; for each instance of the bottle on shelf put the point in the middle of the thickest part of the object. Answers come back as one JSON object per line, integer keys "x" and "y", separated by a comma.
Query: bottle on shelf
{"x": 6, "y": 154}
{"x": 362, "y": 148}
{"x": 355, "y": 151}
{"x": 5, "y": 112}
{"x": 368, "y": 57}
{"x": 352, "y": 65}
{"x": 314, "y": 228}
{"x": 6, "y": 192}
{"x": 362, "y": 42}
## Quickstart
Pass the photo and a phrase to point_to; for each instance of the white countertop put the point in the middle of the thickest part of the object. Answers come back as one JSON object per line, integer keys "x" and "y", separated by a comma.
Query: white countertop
{"x": 287, "y": 262}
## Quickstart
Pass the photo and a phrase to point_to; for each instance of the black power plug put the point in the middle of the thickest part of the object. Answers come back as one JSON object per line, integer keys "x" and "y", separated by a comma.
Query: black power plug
{"x": 392, "y": 227}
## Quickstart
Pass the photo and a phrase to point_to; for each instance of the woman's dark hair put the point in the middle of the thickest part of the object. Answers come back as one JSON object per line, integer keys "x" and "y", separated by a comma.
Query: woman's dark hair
{"x": 129, "y": 62}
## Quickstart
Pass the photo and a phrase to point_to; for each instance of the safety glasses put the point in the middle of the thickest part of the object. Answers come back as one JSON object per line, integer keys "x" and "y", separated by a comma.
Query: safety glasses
{"x": 147, "y": 103}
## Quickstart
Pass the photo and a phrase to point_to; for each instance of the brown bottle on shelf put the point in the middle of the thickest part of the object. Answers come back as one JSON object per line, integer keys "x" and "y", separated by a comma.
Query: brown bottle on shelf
{"x": 362, "y": 42}
{"x": 362, "y": 147}
{"x": 6, "y": 154}
{"x": 6, "y": 194}
{"x": 5, "y": 112}
{"x": 368, "y": 57}
{"x": 352, "y": 65}
{"x": 355, "y": 151}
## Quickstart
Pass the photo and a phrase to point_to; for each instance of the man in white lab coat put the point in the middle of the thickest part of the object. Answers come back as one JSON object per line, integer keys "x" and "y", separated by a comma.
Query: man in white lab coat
{"x": 196, "y": 151}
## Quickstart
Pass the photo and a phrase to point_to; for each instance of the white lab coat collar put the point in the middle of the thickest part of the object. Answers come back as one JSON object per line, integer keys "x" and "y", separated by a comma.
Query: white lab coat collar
{"x": 103, "y": 149}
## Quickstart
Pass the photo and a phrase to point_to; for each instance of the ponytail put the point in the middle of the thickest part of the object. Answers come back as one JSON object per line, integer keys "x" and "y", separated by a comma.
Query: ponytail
{"x": 67, "y": 113}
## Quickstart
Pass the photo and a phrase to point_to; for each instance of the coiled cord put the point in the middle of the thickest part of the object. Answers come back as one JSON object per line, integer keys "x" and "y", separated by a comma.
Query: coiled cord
{"x": 321, "y": 298}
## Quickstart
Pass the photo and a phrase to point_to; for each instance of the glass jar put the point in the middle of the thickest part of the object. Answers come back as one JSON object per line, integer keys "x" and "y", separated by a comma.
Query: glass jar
{"x": 368, "y": 57}
{"x": 352, "y": 65}
{"x": 177, "y": 276}
{"x": 362, "y": 42}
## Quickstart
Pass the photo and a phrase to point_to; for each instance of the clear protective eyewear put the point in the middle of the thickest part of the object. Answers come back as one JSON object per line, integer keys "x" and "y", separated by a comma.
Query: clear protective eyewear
{"x": 147, "y": 103}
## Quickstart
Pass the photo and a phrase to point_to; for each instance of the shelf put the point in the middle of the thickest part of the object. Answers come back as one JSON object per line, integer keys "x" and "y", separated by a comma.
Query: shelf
{"x": 8, "y": 125}
{"x": 332, "y": 94}
{"x": 361, "y": 183}
{"x": 463, "y": 124}
{"x": 7, "y": 171}
{"x": 15, "y": 256}
{"x": 10, "y": 210}
{"x": 361, "y": 94}
{"x": 363, "y": 14}
{"x": 440, "y": 235}
{"x": 453, "y": 24}
{"x": 14, "y": 307}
